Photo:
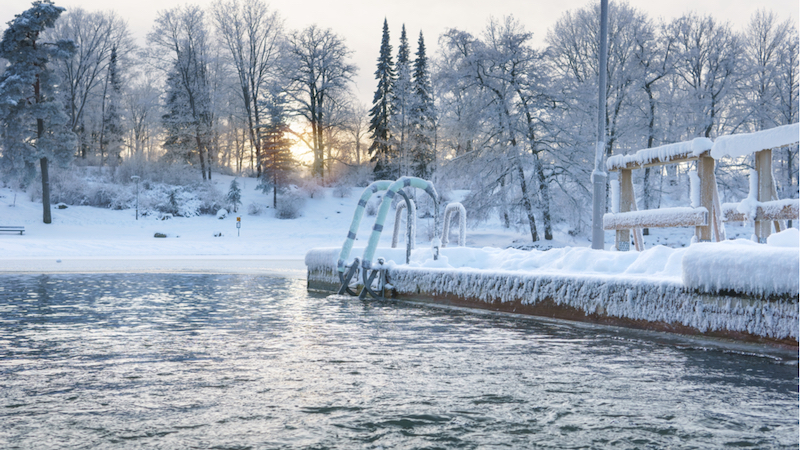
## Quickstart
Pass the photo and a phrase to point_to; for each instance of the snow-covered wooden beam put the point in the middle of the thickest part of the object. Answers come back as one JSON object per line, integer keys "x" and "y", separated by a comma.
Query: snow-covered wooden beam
{"x": 657, "y": 218}
{"x": 657, "y": 156}
{"x": 764, "y": 211}
{"x": 743, "y": 144}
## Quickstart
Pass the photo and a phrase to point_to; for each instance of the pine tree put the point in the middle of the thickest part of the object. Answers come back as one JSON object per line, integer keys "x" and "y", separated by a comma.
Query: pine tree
{"x": 112, "y": 131}
{"x": 235, "y": 195}
{"x": 402, "y": 102}
{"x": 422, "y": 116}
{"x": 381, "y": 110}
{"x": 34, "y": 125}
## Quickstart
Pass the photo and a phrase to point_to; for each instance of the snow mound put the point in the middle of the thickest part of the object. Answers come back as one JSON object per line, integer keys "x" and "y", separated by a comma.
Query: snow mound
{"x": 743, "y": 266}
{"x": 786, "y": 238}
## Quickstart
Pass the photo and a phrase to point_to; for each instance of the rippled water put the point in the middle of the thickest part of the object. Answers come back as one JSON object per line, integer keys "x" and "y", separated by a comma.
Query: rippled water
{"x": 222, "y": 361}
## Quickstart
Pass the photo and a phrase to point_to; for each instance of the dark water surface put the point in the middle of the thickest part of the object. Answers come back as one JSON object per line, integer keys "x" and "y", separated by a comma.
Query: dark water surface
{"x": 226, "y": 361}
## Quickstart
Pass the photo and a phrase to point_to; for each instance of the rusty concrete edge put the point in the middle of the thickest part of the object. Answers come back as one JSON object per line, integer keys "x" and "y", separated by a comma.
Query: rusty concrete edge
{"x": 548, "y": 307}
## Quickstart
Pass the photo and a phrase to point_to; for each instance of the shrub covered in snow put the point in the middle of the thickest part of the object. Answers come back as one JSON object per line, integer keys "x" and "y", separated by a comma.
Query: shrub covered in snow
{"x": 312, "y": 188}
{"x": 255, "y": 209}
{"x": 289, "y": 205}
{"x": 341, "y": 190}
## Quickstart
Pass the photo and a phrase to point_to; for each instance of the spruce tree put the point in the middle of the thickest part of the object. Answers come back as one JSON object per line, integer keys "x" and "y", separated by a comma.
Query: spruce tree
{"x": 34, "y": 127}
{"x": 402, "y": 101}
{"x": 235, "y": 195}
{"x": 381, "y": 110}
{"x": 112, "y": 131}
{"x": 278, "y": 161}
{"x": 179, "y": 126}
{"x": 423, "y": 116}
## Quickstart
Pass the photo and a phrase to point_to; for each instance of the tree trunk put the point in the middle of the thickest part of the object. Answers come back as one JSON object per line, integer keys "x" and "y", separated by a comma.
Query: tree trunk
{"x": 526, "y": 202}
{"x": 201, "y": 151}
{"x": 45, "y": 186}
{"x": 544, "y": 192}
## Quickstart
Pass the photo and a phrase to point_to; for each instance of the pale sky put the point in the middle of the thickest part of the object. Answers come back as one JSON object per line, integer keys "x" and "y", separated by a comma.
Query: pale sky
{"x": 360, "y": 21}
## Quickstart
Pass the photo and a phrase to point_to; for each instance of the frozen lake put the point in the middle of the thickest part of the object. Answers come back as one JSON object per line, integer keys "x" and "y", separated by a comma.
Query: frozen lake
{"x": 246, "y": 361}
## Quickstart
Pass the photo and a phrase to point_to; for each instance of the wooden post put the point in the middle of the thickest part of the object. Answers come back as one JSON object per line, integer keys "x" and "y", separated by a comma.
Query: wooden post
{"x": 705, "y": 170}
{"x": 623, "y": 237}
{"x": 765, "y": 184}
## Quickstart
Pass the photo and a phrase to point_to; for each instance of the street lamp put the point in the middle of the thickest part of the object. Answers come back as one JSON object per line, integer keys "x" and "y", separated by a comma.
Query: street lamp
{"x": 136, "y": 179}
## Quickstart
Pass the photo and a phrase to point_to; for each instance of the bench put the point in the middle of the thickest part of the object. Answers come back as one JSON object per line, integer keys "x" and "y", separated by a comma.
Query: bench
{"x": 13, "y": 229}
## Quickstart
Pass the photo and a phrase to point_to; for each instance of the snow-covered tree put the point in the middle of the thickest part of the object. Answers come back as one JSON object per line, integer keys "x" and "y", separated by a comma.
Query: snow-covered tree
{"x": 380, "y": 114}
{"x": 422, "y": 116}
{"x": 234, "y": 196}
{"x": 112, "y": 131}
{"x": 709, "y": 54}
{"x": 85, "y": 74}
{"x": 180, "y": 143}
{"x": 34, "y": 125}
{"x": 181, "y": 48}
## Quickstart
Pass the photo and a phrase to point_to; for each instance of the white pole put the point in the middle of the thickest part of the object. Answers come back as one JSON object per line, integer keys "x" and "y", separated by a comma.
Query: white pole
{"x": 599, "y": 175}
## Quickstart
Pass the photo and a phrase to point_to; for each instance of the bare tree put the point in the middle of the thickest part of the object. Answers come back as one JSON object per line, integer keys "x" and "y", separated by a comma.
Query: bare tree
{"x": 318, "y": 75}
{"x": 252, "y": 34}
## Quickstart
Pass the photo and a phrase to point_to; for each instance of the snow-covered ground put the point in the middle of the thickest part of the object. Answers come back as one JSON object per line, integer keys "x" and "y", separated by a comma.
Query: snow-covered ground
{"x": 82, "y": 239}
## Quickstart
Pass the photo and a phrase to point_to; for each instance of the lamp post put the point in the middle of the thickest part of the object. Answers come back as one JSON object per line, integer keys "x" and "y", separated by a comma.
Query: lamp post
{"x": 599, "y": 175}
{"x": 136, "y": 179}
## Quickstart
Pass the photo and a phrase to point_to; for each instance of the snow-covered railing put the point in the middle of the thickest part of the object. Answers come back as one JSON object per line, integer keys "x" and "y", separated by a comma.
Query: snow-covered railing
{"x": 787, "y": 209}
{"x": 704, "y": 214}
{"x": 453, "y": 208}
{"x": 411, "y": 223}
{"x": 762, "y": 204}
{"x": 665, "y": 154}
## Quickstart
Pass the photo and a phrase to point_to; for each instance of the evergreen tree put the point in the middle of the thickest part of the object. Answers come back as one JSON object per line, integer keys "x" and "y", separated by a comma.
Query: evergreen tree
{"x": 111, "y": 140}
{"x": 277, "y": 159}
{"x": 179, "y": 125}
{"x": 235, "y": 195}
{"x": 34, "y": 125}
{"x": 422, "y": 116}
{"x": 381, "y": 110}
{"x": 402, "y": 103}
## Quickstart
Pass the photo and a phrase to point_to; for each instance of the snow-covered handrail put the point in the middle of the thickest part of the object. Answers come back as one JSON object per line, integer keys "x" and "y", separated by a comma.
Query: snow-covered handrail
{"x": 451, "y": 209}
{"x": 402, "y": 182}
{"x": 376, "y": 186}
{"x": 411, "y": 221}
{"x": 743, "y": 144}
{"x": 665, "y": 154}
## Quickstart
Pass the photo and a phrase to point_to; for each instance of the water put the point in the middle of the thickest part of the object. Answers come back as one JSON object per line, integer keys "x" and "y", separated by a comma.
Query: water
{"x": 225, "y": 361}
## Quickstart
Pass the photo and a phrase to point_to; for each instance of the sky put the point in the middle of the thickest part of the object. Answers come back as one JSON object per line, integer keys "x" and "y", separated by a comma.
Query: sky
{"x": 360, "y": 22}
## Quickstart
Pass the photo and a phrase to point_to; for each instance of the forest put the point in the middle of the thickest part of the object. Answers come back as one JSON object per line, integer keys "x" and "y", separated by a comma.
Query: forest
{"x": 229, "y": 89}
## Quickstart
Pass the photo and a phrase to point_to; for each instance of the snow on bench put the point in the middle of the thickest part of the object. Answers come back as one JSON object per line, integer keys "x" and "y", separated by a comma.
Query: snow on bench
{"x": 744, "y": 144}
{"x": 766, "y": 270}
{"x": 787, "y": 209}
{"x": 657, "y": 218}
{"x": 12, "y": 229}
